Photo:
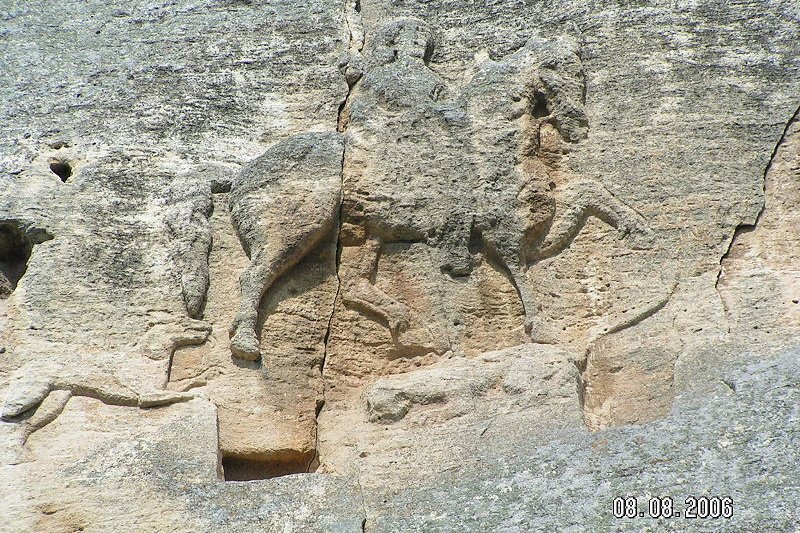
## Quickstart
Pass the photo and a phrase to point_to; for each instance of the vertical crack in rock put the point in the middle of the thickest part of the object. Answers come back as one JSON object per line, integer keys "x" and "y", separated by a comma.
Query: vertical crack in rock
{"x": 220, "y": 469}
{"x": 363, "y": 503}
{"x": 351, "y": 68}
{"x": 356, "y": 43}
{"x": 746, "y": 227}
{"x": 321, "y": 402}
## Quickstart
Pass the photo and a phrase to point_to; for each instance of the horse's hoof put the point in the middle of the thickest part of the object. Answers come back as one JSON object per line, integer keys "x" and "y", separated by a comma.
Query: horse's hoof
{"x": 399, "y": 318}
{"x": 244, "y": 345}
{"x": 540, "y": 332}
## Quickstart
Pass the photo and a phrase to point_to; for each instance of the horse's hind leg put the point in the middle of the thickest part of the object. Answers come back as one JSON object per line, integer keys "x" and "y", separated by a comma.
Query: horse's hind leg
{"x": 276, "y": 247}
{"x": 283, "y": 205}
{"x": 254, "y": 282}
{"x": 516, "y": 271}
{"x": 264, "y": 269}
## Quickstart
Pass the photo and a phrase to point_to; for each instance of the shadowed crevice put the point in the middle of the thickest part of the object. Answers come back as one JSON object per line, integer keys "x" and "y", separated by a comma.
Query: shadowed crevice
{"x": 16, "y": 246}
{"x": 255, "y": 467}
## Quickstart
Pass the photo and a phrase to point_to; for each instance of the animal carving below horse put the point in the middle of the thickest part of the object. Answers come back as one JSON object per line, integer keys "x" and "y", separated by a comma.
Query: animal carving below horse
{"x": 414, "y": 166}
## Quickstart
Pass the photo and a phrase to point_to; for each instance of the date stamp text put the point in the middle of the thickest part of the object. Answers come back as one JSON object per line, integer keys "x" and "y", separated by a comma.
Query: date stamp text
{"x": 700, "y": 507}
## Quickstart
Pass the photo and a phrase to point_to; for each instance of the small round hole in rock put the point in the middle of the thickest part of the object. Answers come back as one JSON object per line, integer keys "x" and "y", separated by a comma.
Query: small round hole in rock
{"x": 62, "y": 169}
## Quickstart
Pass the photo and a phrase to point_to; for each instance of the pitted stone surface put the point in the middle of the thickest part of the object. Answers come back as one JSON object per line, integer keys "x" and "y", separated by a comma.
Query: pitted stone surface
{"x": 451, "y": 266}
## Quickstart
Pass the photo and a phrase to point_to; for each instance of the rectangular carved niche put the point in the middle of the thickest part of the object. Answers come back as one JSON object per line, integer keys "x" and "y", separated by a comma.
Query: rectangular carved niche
{"x": 266, "y": 466}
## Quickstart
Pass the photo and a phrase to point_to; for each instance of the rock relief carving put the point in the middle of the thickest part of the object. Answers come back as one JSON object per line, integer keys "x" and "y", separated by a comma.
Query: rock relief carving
{"x": 410, "y": 164}
{"x": 282, "y": 205}
{"x": 39, "y": 390}
{"x": 188, "y": 206}
{"x": 413, "y": 165}
{"x": 135, "y": 376}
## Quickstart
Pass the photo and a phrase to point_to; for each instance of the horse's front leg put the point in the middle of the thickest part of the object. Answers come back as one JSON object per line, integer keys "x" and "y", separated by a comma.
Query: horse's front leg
{"x": 585, "y": 198}
{"x": 358, "y": 289}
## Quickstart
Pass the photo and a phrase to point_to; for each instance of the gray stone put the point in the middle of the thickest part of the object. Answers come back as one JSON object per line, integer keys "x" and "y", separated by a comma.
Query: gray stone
{"x": 488, "y": 265}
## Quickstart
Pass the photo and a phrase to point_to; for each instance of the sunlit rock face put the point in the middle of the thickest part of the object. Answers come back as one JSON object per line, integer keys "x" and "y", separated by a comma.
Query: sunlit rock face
{"x": 398, "y": 266}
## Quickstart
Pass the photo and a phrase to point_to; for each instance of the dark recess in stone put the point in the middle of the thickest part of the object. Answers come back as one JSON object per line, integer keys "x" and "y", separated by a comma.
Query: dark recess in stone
{"x": 62, "y": 169}
{"x": 15, "y": 250}
{"x": 250, "y": 468}
{"x": 540, "y": 109}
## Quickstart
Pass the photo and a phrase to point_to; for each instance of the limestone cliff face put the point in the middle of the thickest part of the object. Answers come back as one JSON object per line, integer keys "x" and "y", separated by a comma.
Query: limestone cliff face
{"x": 397, "y": 265}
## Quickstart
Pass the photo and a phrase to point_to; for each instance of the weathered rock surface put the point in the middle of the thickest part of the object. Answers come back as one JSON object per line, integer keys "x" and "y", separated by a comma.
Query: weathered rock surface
{"x": 548, "y": 474}
{"x": 397, "y": 265}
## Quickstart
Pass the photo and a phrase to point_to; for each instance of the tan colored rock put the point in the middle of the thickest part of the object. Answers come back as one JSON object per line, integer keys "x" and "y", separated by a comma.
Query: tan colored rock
{"x": 759, "y": 281}
{"x": 396, "y": 266}
{"x": 266, "y": 412}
